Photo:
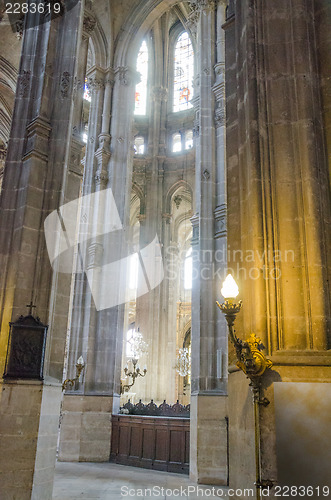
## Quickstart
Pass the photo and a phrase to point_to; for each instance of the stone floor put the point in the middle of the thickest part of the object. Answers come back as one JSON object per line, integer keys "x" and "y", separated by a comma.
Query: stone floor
{"x": 91, "y": 481}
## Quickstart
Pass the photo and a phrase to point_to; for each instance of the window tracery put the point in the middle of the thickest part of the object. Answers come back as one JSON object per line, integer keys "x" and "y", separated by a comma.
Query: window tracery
{"x": 141, "y": 87}
{"x": 183, "y": 73}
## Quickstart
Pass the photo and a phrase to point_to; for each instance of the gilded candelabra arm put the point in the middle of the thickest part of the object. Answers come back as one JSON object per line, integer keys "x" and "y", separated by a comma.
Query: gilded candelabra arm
{"x": 133, "y": 374}
{"x": 230, "y": 310}
{"x": 252, "y": 361}
{"x": 70, "y": 382}
{"x": 250, "y": 358}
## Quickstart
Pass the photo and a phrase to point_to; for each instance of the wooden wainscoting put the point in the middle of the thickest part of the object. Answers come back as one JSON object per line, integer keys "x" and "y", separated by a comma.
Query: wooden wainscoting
{"x": 160, "y": 443}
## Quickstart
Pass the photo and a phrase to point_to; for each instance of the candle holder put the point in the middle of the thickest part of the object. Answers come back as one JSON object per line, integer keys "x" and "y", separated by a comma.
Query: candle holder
{"x": 134, "y": 374}
{"x": 70, "y": 382}
{"x": 252, "y": 361}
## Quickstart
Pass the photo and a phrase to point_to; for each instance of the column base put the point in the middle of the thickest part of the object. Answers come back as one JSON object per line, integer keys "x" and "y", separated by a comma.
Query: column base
{"x": 29, "y": 422}
{"x": 85, "y": 433}
{"x": 209, "y": 439}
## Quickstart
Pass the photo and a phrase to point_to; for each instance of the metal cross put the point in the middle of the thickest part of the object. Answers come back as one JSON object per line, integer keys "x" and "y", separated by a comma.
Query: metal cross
{"x": 30, "y": 307}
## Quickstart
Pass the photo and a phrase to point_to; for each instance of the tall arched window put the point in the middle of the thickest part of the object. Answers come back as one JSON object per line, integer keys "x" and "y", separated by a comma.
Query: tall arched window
{"x": 141, "y": 87}
{"x": 183, "y": 73}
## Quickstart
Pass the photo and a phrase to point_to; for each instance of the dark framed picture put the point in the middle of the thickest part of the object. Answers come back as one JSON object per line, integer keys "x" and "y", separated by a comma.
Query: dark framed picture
{"x": 26, "y": 349}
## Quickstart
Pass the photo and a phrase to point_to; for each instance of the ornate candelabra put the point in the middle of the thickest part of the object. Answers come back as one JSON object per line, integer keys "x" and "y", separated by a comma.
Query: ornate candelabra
{"x": 70, "y": 382}
{"x": 138, "y": 347}
{"x": 252, "y": 361}
{"x": 183, "y": 362}
{"x": 135, "y": 373}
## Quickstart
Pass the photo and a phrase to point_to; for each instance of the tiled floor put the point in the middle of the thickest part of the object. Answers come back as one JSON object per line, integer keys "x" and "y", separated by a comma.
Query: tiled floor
{"x": 90, "y": 481}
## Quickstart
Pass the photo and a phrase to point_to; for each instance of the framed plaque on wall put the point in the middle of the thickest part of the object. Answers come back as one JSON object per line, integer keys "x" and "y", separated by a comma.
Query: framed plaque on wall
{"x": 26, "y": 348}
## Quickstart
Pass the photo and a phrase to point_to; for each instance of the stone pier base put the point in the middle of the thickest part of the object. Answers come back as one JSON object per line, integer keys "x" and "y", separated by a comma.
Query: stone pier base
{"x": 85, "y": 432}
{"x": 29, "y": 421}
{"x": 209, "y": 439}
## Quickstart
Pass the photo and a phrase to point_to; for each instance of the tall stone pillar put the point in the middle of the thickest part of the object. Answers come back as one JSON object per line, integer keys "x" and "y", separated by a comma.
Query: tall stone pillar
{"x": 36, "y": 182}
{"x": 208, "y": 457}
{"x": 278, "y": 208}
{"x": 97, "y": 332}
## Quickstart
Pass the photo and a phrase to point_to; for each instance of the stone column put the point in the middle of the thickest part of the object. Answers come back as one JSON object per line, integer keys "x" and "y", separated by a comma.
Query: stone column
{"x": 208, "y": 459}
{"x": 278, "y": 205}
{"x": 86, "y": 426}
{"x": 36, "y": 182}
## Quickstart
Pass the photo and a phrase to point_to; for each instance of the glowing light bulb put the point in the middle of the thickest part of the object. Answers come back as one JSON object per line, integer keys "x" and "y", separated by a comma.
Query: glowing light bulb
{"x": 230, "y": 288}
{"x": 80, "y": 361}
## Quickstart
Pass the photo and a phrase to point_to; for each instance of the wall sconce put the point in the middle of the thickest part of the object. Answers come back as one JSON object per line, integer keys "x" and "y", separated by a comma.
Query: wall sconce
{"x": 252, "y": 361}
{"x": 135, "y": 373}
{"x": 70, "y": 382}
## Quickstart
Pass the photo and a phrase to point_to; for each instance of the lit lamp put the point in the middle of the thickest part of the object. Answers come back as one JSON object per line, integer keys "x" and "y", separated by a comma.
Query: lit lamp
{"x": 70, "y": 382}
{"x": 252, "y": 361}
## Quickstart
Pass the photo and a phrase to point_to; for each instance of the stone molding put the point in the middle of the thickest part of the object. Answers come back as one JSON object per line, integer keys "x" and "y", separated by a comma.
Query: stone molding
{"x": 220, "y": 215}
{"x": 65, "y": 80}
{"x": 195, "y": 227}
{"x": 38, "y": 132}
{"x": 23, "y": 83}
{"x": 95, "y": 252}
{"x": 75, "y": 157}
{"x": 220, "y": 116}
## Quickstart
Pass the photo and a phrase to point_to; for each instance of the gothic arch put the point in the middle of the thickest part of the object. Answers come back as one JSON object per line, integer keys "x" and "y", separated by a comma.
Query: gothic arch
{"x": 140, "y": 194}
{"x": 135, "y": 28}
{"x": 99, "y": 48}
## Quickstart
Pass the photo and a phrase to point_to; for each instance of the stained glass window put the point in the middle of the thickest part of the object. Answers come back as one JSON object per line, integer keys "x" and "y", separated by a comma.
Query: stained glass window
{"x": 87, "y": 95}
{"x": 141, "y": 87}
{"x": 183, "y": 73}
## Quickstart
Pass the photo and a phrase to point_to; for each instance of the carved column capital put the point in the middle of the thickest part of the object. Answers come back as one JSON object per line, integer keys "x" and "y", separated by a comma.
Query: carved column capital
{"x": 95, "y": 82}
{"x": 160, "y": 94}
{"x": 89, "y": 23}
{"x": 141, "y": 218}
{"x": 19, "y": 27}
{"x": 167, "y": 218}
{"x": 127, "y": 76}
{"x": 202, "y": 6}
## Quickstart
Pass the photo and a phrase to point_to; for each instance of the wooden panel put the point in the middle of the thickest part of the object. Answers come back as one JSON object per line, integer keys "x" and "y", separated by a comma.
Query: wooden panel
{"x": 160, "y": 443}
{"x": 123, "y": 446}
{"x": 148, "y": 443}
{"x": 136, "y": 441}
{"x": 187, "y": 447}
{"x": 176, "y": 446}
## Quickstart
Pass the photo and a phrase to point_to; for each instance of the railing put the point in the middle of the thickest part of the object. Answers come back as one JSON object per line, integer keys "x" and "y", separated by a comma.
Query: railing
{"x": 151, "y": 409}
